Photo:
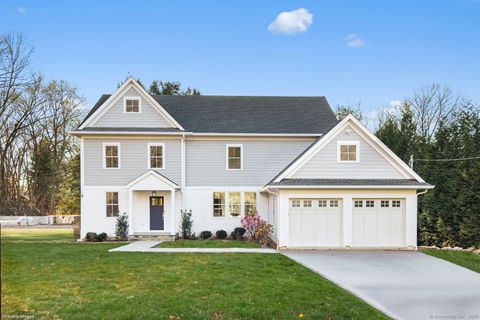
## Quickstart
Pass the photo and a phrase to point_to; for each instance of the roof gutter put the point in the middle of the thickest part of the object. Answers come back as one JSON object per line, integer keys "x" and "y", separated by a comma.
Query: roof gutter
{"x": 347, "y": 187}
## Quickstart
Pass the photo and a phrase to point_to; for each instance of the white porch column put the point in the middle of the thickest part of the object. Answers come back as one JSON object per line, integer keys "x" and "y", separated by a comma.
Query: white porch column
{"x": 347, "y": 221}
{"x": 130, "y": 212}
{"x": 172, "y": 209}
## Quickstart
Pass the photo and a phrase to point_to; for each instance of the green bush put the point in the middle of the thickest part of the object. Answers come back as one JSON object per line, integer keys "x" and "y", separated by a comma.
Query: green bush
{"x": 205, "y": 235}
{"x": 101, "y": 237}
{"x": 121, "y": 227}
{"x": 237, "y": 233}
{"x": 91, "y": 237}
{"x": 221, "y": 234}
{"x": 186, "y": 224}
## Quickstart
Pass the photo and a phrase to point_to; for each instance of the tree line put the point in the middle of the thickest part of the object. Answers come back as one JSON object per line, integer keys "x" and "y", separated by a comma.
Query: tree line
{"x": 39, "y": 159}
{"x": 440, "y": 131}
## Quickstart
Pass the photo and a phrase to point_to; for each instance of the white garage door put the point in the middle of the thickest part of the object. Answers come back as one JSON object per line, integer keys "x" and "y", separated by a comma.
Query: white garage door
{"x": 378, "y": 222}
{"x": 315, "y": 222}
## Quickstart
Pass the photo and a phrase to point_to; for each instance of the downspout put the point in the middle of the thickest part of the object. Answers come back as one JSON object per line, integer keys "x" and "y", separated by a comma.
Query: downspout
{"x": 276, "y": 194}
{"x": 422, "y": 192}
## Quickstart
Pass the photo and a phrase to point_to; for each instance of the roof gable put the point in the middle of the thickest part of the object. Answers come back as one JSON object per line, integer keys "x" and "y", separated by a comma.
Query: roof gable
{"x": 108, "y": 111}
{"x": 294, "y": 169}
{"x": 152, "y": 180}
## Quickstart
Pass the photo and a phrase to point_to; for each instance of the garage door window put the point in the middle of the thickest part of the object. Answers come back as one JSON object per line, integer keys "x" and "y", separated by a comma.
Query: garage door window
{"x": 385, "y": 203}
{"x": 396, "y": 203}
{"x": 307, "y": 203}
{"x": 358, "y": 204}
{"x": 369, "y": 203}
{"x": 322, "y": 203}
{"x": 334, "y": 203}
{"x": 296, "y": 203}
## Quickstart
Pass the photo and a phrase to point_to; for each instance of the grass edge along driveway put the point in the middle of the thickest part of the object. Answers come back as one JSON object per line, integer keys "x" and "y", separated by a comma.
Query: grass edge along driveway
{"x": 51, "y": 277}
{"x": 464, "y": 259}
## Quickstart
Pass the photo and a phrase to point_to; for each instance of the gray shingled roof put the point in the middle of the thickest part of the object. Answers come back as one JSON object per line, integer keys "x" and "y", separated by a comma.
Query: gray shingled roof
{"x": 244, "y": 114}
{"x": 350, "y": 182}
{"x": 131, "y": 129}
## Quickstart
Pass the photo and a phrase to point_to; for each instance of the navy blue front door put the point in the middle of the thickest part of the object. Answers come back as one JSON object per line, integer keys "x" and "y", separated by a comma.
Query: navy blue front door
{"x": 156, "y": 213}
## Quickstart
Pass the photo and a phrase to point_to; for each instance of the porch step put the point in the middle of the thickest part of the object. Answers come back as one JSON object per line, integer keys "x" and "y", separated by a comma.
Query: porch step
{"x": 152, "y": 236}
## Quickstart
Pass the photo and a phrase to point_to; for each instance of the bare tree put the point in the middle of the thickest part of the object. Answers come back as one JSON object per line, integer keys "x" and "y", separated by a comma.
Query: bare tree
{"x": 432, "y": 104}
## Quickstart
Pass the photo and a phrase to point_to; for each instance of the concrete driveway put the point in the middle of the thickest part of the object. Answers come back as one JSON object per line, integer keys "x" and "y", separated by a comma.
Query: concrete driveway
{"x": 404, "y": 285}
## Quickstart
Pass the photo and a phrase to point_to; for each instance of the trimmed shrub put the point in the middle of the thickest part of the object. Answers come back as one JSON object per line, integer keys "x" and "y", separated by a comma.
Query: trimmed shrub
{"x": 101, "y": 237}
{"x": 121, "y": 227}
{"x": 237, "y": 233}
{"x": 221, "y": 234}
{"x": 186, "y": 224}
{"x": 240, "y": 231}
{"x": 205, "y": 235}
{"x": 91, "y": 237}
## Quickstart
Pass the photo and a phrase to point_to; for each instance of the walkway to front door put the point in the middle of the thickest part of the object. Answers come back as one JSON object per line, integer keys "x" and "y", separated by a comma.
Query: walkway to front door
{"x": 404, "y": 285}
{"x": 157, "y": 208}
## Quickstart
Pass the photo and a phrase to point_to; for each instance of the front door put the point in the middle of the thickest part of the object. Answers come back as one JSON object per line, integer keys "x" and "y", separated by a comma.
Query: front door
{"x": 156, "y": 213}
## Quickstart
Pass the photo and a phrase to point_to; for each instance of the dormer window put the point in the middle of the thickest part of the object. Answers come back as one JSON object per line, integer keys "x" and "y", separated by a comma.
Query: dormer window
{"x": 348, "y": 151}
{"x": 132, "y": 105}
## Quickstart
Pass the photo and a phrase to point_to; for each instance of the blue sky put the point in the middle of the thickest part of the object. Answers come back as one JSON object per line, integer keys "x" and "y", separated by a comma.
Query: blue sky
{"x": 226, "y": 47}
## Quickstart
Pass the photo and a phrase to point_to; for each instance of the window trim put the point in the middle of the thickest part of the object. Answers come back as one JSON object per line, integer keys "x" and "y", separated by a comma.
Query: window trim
{"x": 227, "y": 157}
{"x": 139, "y": 99}
{"x": 340, "y": 143}
{"x": 112, "y": 204}
{"x": 111, "y": 144}
{"x": 156, "y": 144}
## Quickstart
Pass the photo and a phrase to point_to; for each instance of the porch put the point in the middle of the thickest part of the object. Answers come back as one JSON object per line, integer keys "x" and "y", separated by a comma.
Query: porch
{"x": 153, "y": 202}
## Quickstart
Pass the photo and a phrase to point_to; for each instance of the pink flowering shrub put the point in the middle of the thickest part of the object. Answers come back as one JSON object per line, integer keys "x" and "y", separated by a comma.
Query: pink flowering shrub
{"x": 258, "y": 229}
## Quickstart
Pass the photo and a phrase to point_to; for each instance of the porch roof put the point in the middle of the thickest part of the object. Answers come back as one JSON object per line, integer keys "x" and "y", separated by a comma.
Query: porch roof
{"x": 152, "y": 180}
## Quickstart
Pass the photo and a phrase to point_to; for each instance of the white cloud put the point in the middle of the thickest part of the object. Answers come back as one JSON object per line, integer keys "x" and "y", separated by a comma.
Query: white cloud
{"x": 21, "y": 10}
{"x": 291, "y": 22}
{"x": 395, "y": 103}
{"x": 352, "y": 40}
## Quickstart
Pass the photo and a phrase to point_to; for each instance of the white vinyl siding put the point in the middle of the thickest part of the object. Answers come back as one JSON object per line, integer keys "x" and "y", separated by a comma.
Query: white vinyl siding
{"x": 117, "y": 117}
{"x": 325, "y": 163}
{"x": 134, "y": 161}
{"x": 262, "y": 160}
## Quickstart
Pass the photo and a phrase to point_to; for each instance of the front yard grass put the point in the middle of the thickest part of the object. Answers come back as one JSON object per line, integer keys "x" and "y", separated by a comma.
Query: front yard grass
{"x": 55, "y": 278}
{"x": 465, "y": 259}
{"x": 208, "y": 244}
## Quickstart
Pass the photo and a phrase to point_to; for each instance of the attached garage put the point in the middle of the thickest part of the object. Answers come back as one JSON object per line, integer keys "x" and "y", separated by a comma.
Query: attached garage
{"x": 378, "y": 223}
{"x": 315, "y": 223}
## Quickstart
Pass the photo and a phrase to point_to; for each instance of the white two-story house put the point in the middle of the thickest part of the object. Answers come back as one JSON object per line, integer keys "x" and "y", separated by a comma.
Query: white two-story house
{"x": 321, "y": 183}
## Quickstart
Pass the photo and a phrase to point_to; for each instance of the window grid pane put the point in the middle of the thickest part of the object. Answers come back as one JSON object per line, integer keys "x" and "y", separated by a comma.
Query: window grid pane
{"x": 132, "y": 106}
{"x": 112, "y": 204}
{"x": 358, "y": 204}
{"x": 235, "y": 203}
{"x": 322, "y": 203}
{"x": 219, "y": 204}
{"x": 250, "y": 202}
{"x": 111, "y": 156}
{"x": 334, "y": 203}
{"x": 307, "y": 203}
{"x": 156, "y": 156}
{"x": 296, "y": 203}
{"x": 234, "y": 158}
{"x": 348, "y": 152}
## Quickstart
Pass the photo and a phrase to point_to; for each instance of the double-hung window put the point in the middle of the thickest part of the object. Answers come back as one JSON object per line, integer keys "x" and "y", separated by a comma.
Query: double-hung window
{"x": 348, "y": 151}
{"x": 132, "y": 105}
{"x": 219, "y": 204}
{"x": 235, "y": 203}
{"x": 112, "y": 204}
{"x": 250, "y": 202}
{"x": 111, "y": 155}
{"x": 156, "y": 156}
{"x": 234, "y": 157}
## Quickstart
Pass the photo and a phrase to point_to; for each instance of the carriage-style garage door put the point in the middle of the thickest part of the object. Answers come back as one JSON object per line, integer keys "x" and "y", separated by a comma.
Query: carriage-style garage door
{"x": 315, "y": 222}
{"x": 378, "y": 223}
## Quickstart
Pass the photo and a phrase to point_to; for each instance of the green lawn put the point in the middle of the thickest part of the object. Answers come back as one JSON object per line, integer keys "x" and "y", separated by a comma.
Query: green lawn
{"x": 465, "y": 259}
{"x": 208, "y": 244}
{"x": 47, "y": 276}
